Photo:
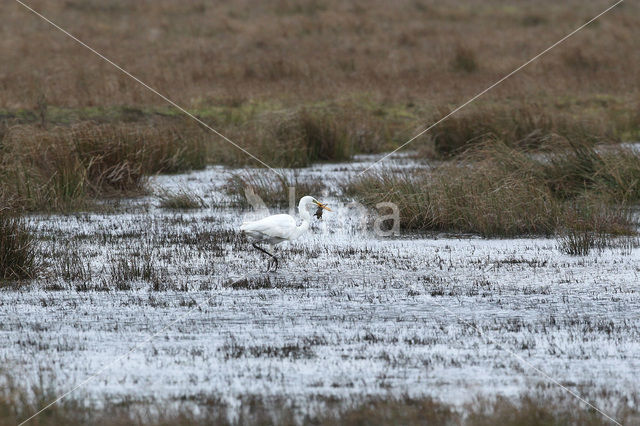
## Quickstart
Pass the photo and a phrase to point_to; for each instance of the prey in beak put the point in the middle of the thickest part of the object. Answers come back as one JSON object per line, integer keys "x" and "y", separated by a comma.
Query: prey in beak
{"x": 321, "y": 208}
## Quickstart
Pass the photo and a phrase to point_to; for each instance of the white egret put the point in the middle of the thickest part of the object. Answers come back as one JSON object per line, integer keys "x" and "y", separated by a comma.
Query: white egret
{"x": 281, "y": 227}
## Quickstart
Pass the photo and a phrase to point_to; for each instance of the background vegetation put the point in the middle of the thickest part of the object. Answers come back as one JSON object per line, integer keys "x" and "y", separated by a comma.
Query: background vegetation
{"x": 416, "y": 52}
{"x": 301, "y": 81}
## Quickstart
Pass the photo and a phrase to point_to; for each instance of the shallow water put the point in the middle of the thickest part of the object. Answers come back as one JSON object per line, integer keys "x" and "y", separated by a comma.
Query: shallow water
{"x": 348, "y": 314}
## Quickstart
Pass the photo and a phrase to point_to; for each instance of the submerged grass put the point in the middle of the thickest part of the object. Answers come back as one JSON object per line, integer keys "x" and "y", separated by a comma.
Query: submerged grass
{"x": 496, "y": 190}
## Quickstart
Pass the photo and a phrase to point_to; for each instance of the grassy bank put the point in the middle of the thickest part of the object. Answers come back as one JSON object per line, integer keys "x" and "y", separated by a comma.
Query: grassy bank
{"x": 496, "y": 190}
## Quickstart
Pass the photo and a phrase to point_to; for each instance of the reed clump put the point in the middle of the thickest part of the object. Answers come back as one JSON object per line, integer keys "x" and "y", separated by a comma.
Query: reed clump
{"x": 310, "y": 135}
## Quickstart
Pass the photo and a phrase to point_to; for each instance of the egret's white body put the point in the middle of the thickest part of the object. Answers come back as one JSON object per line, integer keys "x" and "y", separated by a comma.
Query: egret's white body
{"x": 274, "y": 229}
{"x": 280, "y": 227}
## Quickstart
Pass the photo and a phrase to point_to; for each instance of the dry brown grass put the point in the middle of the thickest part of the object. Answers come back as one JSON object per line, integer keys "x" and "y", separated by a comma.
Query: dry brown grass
{"x": 426, "y": 57}
{"x": 230, "y": 52}
{"x": 496, "y": 190}
{"x": 63, "y": 167}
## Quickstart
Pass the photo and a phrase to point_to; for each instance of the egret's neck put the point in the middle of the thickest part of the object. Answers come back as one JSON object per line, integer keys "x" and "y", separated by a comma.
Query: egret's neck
{"x": 304, "y": 214}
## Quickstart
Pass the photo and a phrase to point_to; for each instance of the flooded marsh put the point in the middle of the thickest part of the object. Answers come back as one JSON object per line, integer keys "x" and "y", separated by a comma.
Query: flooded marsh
{"x": 349, "y": 315}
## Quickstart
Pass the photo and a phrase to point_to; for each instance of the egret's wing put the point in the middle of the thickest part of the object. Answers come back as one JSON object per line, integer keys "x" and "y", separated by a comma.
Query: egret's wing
{"x": 277, "y": 226}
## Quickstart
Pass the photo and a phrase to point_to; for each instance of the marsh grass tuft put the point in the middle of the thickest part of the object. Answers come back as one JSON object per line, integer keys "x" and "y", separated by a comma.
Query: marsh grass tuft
{"x": 611, "y": 171}
{"x": 70, "y": 266}
{"x": 596, "y": 226}
{"x": 18, "y": 252}
{"x": 251, "y": 283}
{"x": 496, "y": 190}
{"x": 64, "y": 167}
{"x": 523, "y": 126}
{"x": 464, "y": 60}
{"x": 580, "y": 242}
{"x": 297, "y": 138}
{"x": 180, "y": 200}
{"x": 131, "y": 267}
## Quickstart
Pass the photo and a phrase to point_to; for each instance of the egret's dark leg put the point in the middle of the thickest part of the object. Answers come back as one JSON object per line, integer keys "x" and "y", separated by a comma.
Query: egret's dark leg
{"x": 275, "y": 259}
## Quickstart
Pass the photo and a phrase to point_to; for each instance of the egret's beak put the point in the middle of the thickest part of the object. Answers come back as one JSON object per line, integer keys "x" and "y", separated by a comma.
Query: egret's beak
{"x": 324, "y": 206}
